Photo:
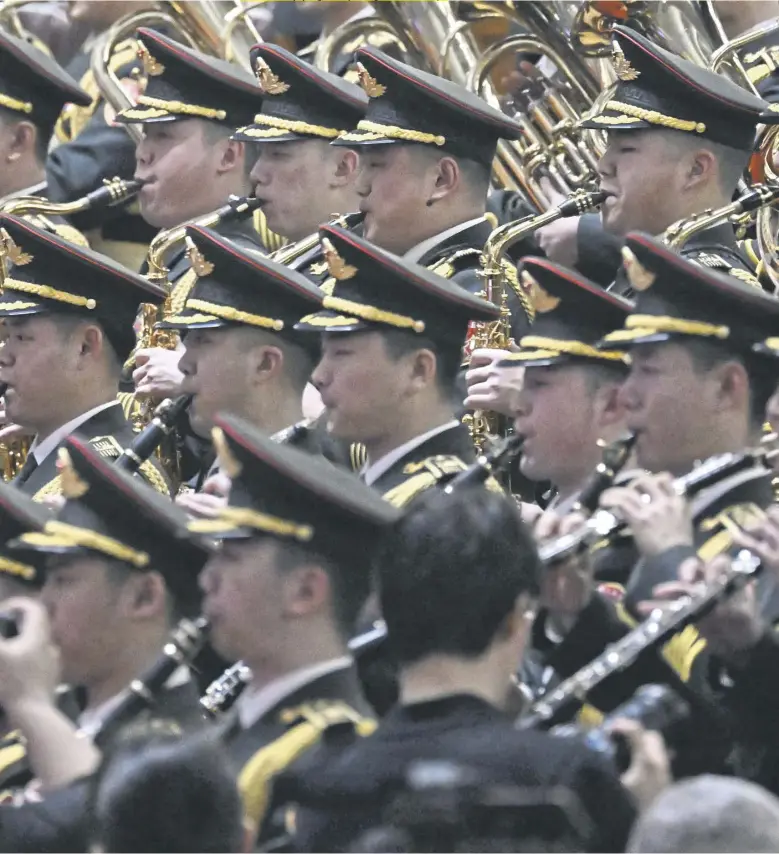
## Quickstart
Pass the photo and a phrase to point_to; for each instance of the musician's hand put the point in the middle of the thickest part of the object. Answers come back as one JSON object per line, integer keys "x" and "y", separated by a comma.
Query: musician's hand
{"x": 490, "y": 387}
{"x": 156, "y": 374}
{"x": 567, "y": 586}
{"x": 762, "y": 539}
{"x": 29, "y": 662}
{"x": 734, "y": 626}
{"x": 649, "y": 771}
{"x": 559, "y": 239}
{"x": 531, "y": 513}
{"x": 201, "y": 505}
{"x": 658, "y": 518}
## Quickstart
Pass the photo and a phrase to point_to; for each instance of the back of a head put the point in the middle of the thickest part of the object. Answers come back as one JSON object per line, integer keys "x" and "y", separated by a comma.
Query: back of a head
{"x": 452, "y": 572}
{"x": 709, "y": 813}
{"x": 166, "y": 793}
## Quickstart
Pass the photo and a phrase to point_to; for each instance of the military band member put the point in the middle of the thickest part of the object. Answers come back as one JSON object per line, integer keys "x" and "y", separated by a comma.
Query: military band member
{"x": 241, "y": 352}
{"x": 91, "y": 146}
{"x": 427, "y": 148}
{"x": 283, "y": 594}
{"x": 696, "y": 388}
{"x": 392, "y": 335}
{"x": 459, "y": 584}
{"x": 301, "y": 179}
{"x": 569, "y": 400}
{"x": 679, "y": 140}
{"x": 68, "y": 315}
{"x": 188, "y": 162}
{"x": 120, "y": 570}
{"x": 33, "y": 91}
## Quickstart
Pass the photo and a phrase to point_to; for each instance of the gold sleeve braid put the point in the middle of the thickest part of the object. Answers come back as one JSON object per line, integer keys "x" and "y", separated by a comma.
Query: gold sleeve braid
{"x": 61, "y": 229}
{"x": 270, "y": 240}
{"x": 308, "y": 723}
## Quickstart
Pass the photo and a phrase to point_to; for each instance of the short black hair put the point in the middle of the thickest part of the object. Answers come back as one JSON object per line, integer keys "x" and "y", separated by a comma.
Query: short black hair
{"x": 300, "y": 354}
{"x": 350, "y": 581}
{"x": 732, "y": 161}
{"x": 400, "y": 342}
{"x": 451, "y": 572}
{"x": 157, "y": 791}
{"x": 119, "y": 573}
{"x": 42, "y": 137}
{"x": 67, "y": 323}
{"x": 476, "y": 176}
{"x": 707, "y": 355}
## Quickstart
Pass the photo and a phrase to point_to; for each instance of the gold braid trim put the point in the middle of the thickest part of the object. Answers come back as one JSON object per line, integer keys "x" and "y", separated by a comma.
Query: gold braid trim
{"x": 230, "y": 518}
{"x": 270, "y": 240}
{"x": 638, "y": 325}
{"x": 257, "y": 774}
{"x": 60, "y": 534}
{"x": 372, "y": 314}
{"x": 224, "y": 312}
{"x": 287, "y": 126}
{"x": 15, "y": 104}
{"x": 553, "y": 346}
{"x": 374, "y": 130}
{"x": 631, "y": 113}
{"x": 150, "y": 473}
{"x": 20, "y": 570}
{"x": 46, "y": 292}
{"x": 159, "y": 107}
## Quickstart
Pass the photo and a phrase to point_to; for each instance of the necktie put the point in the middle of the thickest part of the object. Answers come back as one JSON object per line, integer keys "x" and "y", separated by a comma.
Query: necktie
{"x": 30, "y": 464}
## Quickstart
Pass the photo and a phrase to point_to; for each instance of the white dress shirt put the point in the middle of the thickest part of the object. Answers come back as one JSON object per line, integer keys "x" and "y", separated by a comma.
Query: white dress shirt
{"x": 417, "y": 252}
{"x": 41, "y": 450}
{"x": 256, "y": 702}
{"x": 373, "y": 471}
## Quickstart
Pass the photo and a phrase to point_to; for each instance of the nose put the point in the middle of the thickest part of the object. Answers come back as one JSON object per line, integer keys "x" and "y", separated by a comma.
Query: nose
{"x": 260, "y": 174}
{"x": 628, "y": 395}
{"x": 143, "y": 153}
{"x": 6, "y": 357}
{"x": 187, "y": 364}
{"x": 320, "y": 376}
{"x": 605, "y": 167}
{"x": 208, "y": 578}
{"x": 363, "y": 183}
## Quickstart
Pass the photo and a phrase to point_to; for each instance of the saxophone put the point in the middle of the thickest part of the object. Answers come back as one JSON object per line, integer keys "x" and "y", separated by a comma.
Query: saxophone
{"x": 496, "y": 335}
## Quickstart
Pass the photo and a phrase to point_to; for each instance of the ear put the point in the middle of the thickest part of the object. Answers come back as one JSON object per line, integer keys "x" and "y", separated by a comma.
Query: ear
{"x": 21, "y": 140}
{"x": 701, "y": 168}
{"x": 92, "y": 343}
{"x": 732, "y": 386}
{"x": 347, "y": 164}
{"x": 231, "y": 157}
{"x": 424, "y": 369}
{"x": 145, "y": 595}
{"x": 447, "y": 179}
{"x": 518, "y": 622}
{"x": 306, "y": 591}
{"x": 264, "y": 363}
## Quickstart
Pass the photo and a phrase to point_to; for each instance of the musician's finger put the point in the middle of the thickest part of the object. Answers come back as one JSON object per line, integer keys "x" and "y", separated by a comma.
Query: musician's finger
{"x": 143, "y": 356}
{"x": 548, "y": 525}
{"x": 690, "y": 570}
{"x": 669, "y": 590}
{"x": 572, "y": 522}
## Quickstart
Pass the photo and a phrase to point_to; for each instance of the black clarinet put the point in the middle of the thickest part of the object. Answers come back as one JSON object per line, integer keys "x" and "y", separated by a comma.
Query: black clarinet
{"x": 615, "y": 456}
{"x": 491, "y": 462}
{"x": 605, "y": 525}
{"x": 185, "y": 642}
{"x": 661, "y": 625}
{"x": 149, "y": 439}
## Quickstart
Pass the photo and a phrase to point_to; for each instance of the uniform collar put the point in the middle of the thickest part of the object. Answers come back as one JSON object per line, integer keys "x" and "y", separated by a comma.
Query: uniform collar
{"x": 373, "y": 471}
{"x": 42, "y": 450}
{"x": 416, "y": 253}
{"x": 256, "y": 702}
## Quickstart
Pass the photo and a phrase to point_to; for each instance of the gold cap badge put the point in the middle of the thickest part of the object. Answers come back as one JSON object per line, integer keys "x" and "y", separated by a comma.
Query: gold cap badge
{"x": 622, "y": 65}
{"x": 336, "y": 265}
{"x": 73, "y": 486}
{"x": 10, "y": 250}
{"x": 151, "y": 66}
{"x": 197, "y": 260}
{"x": 639, "y": 277}
{"x": 543, "y": 301}
{"x": 226, "y": 459}
{"x": 370, "y": 86}
{"x": 269, "y": 82}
